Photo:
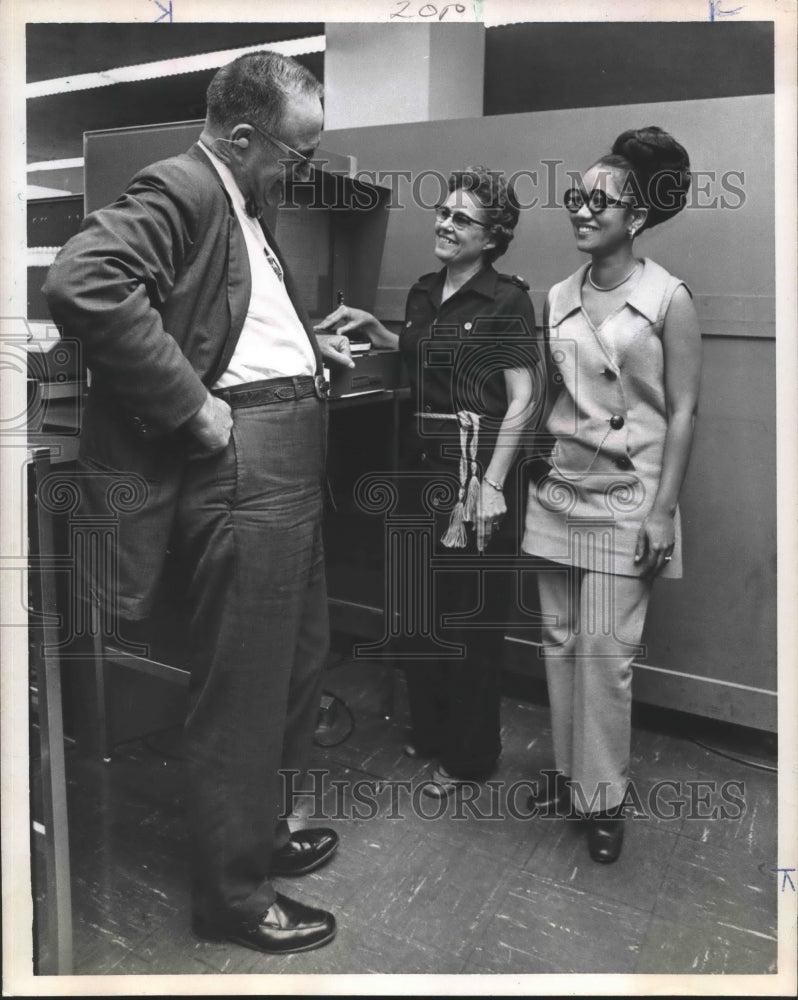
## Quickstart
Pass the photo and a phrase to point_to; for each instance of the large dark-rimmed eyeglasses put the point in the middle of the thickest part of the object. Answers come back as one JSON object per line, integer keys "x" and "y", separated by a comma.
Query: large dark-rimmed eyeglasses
{"x": 459, "y": 219}
{"x": 597, "y": 201}
{"x": 300, "y": 161}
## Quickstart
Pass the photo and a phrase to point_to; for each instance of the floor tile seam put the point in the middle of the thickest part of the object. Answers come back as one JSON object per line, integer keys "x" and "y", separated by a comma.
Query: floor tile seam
{"x": 665, "y": 868}
{"x": 506, "y": 889}
{"x": 212, "y": 970}
{"x": 643, "y": 940}
{"x": 695, "y": 840}
{"x": 81, "y": 925}
{"x": 557, "y": 884}
{"x": 688, "y": 916}
{"x": 499, "y": 852}
{"x": 482, "y": 852}
{"x": 412, "y": 941}
{"x": 190, "y": 941}
{"x": 87, "y": 900}
{"x": 488, "y": 969}
{"x": 356, "y": 923}
{"x": 484, "y": 922}
{"x": 731, "y": 855}
{"x": 721, "y": 935}
{"x": 96, "y": 956}
{"x": 505, "y": 884}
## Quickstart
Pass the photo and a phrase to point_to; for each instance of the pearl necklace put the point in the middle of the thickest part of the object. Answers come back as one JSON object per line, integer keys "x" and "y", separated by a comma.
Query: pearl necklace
{"x": 601, "y": 288}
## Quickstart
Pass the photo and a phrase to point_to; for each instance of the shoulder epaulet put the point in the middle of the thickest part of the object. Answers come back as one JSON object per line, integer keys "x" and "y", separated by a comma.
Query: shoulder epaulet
{"x": 516, "y": 279}
{"x": 426, "y": 281}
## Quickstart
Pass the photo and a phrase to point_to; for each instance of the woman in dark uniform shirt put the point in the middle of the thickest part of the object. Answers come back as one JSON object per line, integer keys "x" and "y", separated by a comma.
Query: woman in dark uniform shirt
{"x": 470, "y": 355}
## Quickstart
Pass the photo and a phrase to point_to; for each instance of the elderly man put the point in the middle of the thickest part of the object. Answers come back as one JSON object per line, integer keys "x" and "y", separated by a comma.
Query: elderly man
{"x": 206, "y": 382}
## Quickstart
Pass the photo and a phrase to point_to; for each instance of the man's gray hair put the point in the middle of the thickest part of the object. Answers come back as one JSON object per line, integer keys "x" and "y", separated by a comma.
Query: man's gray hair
{"x": 255, "y": 87}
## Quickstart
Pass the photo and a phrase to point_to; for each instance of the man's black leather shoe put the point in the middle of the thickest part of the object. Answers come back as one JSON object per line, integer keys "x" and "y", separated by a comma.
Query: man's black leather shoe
{"x": 305, "y": 851}
{"x": 553, "y": 796}
{"x": 285, "y": 927}
{"x": 605, "y": 837}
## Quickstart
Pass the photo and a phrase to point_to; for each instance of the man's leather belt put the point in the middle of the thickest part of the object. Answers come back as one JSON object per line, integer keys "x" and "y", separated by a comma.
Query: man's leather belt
{"x": 274, "y": 390}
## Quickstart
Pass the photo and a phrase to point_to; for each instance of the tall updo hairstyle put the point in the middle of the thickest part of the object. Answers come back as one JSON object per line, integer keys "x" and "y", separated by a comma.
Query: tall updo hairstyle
{"x": 657, "y": 168}
{"x": 498, "y": 200}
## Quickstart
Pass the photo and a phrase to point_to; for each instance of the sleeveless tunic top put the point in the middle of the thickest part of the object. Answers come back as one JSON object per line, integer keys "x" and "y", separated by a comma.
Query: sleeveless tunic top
{"x": 609, "y": 422}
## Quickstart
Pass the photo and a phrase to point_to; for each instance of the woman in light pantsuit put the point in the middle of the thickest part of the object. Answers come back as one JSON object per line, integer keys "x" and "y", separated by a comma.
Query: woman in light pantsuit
{"x": 625, "y": 350}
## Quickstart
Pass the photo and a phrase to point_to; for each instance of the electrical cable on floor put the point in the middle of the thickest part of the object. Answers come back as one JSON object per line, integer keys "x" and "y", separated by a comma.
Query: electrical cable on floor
{"x": 738, "y": 760}
{"x": 336, "y": 743}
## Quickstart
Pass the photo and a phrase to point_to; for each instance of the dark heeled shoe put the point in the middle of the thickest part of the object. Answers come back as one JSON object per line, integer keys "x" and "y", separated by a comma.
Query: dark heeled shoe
{"x": 553, "y": 794}
{"x": 605, "y": 837}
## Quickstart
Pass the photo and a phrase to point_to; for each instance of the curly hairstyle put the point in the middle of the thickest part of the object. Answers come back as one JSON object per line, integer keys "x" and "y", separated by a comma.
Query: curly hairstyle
{"x": 498, "y": 200}
{"x": 254, "y": 88}
{"x": 657, "y": 168}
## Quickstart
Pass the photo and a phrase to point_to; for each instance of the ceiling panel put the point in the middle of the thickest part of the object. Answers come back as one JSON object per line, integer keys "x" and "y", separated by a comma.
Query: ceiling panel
{"x": 56, "y": 50}
{"x": 56, "y": 123}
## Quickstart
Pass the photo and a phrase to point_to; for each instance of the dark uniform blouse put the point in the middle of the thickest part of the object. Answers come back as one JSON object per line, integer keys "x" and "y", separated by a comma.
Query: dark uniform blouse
{"x": 456, "y": 352}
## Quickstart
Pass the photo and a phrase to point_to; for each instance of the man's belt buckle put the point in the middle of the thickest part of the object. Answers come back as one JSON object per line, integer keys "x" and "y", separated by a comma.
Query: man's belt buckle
{"x": 322, "y": 386}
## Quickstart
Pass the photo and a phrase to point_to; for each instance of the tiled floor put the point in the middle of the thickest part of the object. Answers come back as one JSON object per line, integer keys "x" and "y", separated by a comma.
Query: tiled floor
{"x": 475, "y": 890}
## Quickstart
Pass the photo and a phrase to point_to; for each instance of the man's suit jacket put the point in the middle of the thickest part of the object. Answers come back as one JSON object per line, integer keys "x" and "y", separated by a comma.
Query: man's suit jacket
{"x": 156, "y": 288}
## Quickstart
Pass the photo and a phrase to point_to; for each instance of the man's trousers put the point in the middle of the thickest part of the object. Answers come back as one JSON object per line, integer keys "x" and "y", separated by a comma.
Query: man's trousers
{"x": 249, "y": 531}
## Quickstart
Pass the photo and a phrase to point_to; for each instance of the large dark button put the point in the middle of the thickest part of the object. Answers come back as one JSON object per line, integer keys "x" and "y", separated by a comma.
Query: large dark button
{"x": 623, "y": 462}
{"x": 610, "y": 374}
{"x": 616, "y": 422}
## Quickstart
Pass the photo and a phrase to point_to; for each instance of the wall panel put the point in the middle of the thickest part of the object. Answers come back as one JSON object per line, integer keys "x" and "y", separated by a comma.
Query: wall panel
{"x": 711, "y": 638}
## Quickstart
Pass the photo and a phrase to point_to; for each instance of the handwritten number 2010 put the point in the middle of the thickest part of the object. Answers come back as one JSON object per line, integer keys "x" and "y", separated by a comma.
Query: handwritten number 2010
{"x": 428, "y": 10}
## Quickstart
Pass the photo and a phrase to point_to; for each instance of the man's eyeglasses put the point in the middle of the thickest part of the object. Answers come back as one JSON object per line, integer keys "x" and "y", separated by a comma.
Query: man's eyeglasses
{"x": 597, "y": 201}
{"x": 459, "y": 219}
{"x": 299, "y": 160}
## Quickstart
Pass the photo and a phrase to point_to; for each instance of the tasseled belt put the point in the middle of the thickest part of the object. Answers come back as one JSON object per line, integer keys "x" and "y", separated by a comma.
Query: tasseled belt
{"x": 465, "y": 510}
